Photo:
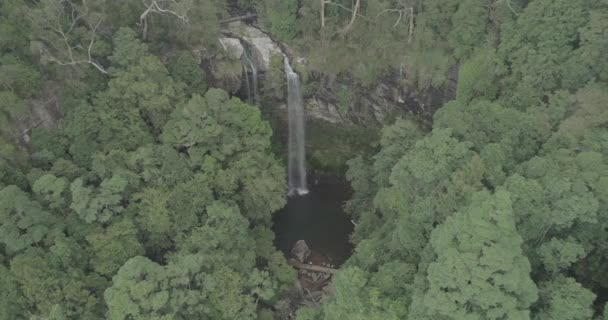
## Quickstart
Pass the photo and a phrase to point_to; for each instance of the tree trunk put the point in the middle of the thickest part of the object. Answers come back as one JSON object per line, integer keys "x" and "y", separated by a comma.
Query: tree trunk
{"x": 143, "y": 20}
{"x": 243, "y": 17}
{"x": 311, "y": 267}
{"x": 352, "y": 18}
{"x": 322, "y": 13}
{"x": 411, "y": 28}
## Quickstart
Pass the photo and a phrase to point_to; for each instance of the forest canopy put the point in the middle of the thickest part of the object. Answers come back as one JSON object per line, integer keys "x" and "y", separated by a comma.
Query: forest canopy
{"x": 146, "y": 188}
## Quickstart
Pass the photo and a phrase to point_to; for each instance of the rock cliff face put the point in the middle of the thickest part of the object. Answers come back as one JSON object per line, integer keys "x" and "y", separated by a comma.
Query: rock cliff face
{"x": 337, "y": 100}
{"x": 41, "y": 113}
{"x": 233, "y": 47}
{"x": 322, "y": 109}
{"x": 238, "y": 36}
{"x": 262, "y": 46}
{"x": 391, "y": 96}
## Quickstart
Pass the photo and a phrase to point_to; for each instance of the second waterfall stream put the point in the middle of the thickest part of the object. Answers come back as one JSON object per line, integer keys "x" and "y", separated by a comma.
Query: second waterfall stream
{"x": 296, "y": 152}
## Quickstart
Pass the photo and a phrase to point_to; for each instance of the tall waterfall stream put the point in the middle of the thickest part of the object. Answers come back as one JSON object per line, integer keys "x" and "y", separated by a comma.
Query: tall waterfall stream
{"x": 314, "y": 215}
{"x": 251, "y": 81}
{"x": 296, "y": 151}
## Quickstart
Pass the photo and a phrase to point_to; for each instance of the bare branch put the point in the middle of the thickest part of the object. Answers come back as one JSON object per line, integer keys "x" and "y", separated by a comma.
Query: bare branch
{"x": 411, "y": 29}
{"x": 183, "y": 17}
{"x": 62, "y": 29}
{"x": 403, "y": 14}
{"x": 347, "y": 9}
{"x": 75, "y": 17}
{"x": 507, "y": 2}
{"x": 243, "y": 17}
{"x": 385, "y": 11}
{"x": 352, "y": 18}
{"x": 36, "y": 125}
{"x": 156, "y": 7}
{"x": 91, "y": 61}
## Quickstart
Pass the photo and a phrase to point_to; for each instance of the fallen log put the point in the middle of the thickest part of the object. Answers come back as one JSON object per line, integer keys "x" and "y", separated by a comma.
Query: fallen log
{"x": 311, "y": 267}
{"x": 243, "y": 17}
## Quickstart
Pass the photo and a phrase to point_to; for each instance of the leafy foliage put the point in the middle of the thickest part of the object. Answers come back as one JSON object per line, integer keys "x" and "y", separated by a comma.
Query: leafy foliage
{"x": 565, "y": 299}
{"x": 129, "y": 190}
{"x": 24, "y": 221}
{"x": 99, "y": 204}
{"x": 498, "y": 209}
{"x": 184, "y": 68}
{"x": 480, "y": 270}
{"x": 280, "y": 17}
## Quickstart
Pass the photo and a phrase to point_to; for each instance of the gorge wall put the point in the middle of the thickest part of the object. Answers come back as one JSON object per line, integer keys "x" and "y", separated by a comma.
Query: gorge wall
{"x": 332, "y": 99}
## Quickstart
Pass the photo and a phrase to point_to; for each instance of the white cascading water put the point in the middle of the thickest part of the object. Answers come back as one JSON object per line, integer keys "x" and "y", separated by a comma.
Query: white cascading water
{"x": 252, "y": 85}
{"x": 296, "y": 154}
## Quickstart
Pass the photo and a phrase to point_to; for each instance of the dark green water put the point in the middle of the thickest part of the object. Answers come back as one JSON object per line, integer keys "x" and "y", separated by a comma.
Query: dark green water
{"x": 318, "y": 219}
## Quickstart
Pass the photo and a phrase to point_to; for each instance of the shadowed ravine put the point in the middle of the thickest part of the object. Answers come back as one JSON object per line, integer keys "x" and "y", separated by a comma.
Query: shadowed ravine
{"x": 317, "y": 218}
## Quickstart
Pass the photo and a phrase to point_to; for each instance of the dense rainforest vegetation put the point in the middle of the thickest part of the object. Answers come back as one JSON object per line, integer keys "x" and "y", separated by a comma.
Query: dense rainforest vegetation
{"x": 148, "y": 193}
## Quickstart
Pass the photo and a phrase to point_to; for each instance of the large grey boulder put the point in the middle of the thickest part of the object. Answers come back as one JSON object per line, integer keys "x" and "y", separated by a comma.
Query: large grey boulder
{"x": 263, "y": 47}
{"x": 323, "y": 110}
{"x": 300, "y": 251}
{"x": 233, "y": 47}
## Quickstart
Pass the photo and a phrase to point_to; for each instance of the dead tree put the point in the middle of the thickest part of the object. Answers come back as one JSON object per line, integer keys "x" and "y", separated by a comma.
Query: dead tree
{"x": 411, "y": 28}
{"x": 71, "y": 61}
{"x": 164, "y": 7}
{"x": 294, "y": 263}
{"x": 56, "y": 22}
{"x": 403, "y": 14}
{"x": 353, "y": 17}
{"x": 239, "y": 18}
{"x": 354, "y": 13}
{"x": 508, "y": 3}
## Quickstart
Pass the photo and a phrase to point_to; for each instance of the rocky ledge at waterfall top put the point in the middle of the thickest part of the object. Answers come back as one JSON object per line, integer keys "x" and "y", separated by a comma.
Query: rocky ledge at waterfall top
{"x": 263, "y": 47}
{"x": 391, "y": 96}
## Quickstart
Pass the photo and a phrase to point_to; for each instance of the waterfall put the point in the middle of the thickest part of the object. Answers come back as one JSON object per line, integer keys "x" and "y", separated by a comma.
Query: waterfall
{"x": 296, "y": 153}
{"x": 252, "y": 85}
